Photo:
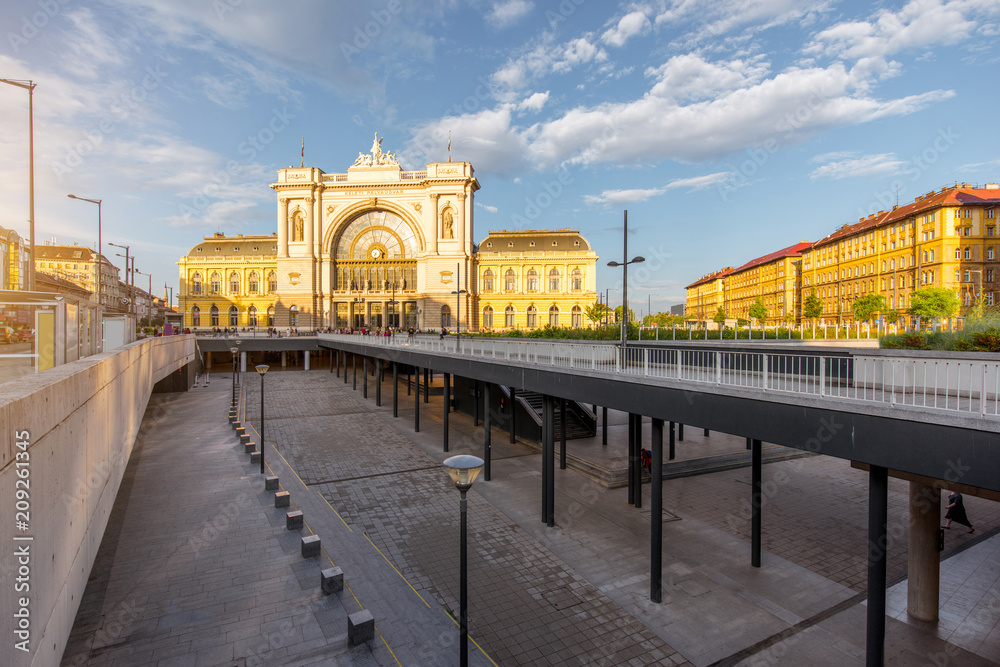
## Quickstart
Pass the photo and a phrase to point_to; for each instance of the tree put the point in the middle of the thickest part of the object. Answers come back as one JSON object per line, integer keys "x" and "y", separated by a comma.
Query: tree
{"x": 933, "y": 302}
{"x": 720, "y": 315}
{"x": 865, "y": 308}
{"x": 758, "y": 311}
{"x": 618, "y": 314}
{"x": 813, "y": 306}
{"x": 595, "y": 311}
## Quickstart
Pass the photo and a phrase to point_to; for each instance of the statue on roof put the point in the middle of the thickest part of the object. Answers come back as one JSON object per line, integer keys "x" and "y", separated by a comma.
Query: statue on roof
{"x": 376, "y": 158}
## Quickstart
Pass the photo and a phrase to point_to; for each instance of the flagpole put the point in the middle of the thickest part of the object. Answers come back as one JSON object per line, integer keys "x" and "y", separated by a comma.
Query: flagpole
{"x": 303, "y": 153}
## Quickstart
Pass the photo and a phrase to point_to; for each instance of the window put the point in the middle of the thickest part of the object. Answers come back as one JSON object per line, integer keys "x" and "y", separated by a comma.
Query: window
{"x": 510, "y": 280}
{"x": 234, "y": 282}
{"x": 196, "y": 316}
{"x": 508, "y": 317}
{"x": 968, "y": 253}
{"x": 270, "y": 316}
{"x": 968, "y": 298}
{"x": 577, "y": 317}
{"x": 989, "y": 275}
{"x": 932, "y": 255}
{"x": 989, "y": 253}
{"x": 488, "y": 317}
{"x": 253, "y": 283}
{"x": 532, "y": 280}
{"x": 958, "y": 253}
{"x": 968, "y": 275}
{"x": 989, "y": 213}
{"x": 272, "y": 282}
{"x": 989, "y": 296}
{"x": 214, "y": 315}
{"x": 554, "y": 280}
{"x": 930, "y": 276}
{"x": 488, "y": 281}
{"x": 577, "y": 280}
{"x": 445, "y": 316}
{"x": 968, "y": 231}
{"x": 234, "y": 316}
{"x": 293, "y": 316}
{"x": 216, "y": 283}
{"x": 958, "y": 276}
{"x": 196, "y": 284}
{"x": 532, "y": 317}
{"x": 252, "y": 316}
{"x": 554, "y": 316}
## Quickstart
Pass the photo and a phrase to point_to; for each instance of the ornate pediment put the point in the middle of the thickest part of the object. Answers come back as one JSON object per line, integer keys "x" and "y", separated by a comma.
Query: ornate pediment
{"x": 376, "y": 158}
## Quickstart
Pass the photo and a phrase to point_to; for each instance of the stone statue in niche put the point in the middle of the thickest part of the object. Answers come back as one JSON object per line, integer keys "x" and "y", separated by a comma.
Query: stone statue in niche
{"x": 298, "y": 227}
{"x": 448, "y": 224}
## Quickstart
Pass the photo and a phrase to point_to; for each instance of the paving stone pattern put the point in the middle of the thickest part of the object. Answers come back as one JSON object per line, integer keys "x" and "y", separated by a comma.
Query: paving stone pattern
{"x": 537, "y": 610}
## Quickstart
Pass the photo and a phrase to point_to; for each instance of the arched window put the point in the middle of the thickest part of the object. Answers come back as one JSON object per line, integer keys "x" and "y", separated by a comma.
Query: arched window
{"x": 510, "y": 280}
{"x": 488, "y": 280}
{"x": 532, "y": 280}
{"x": 234, "y": 282}
{"x": 554, "y": 280}
{"x": 196, "y": 316}
{"x": 577, "y": 280}
{"x": 270, "y": 316}
{"x": 577, "y": 317}
{"x": 216, "y": 283}
{"x": 554, "y": 316}
{"x": 488, "y": 317}
{"x": 234, "y": 316}
{"x": 196, "y": 283}
{"x": 445, "y": 317}
{"x": 532, "y": 317}
{"x": 293, "y": 316}
{"x": 214, "y": 316}
{"x": 508, "y": 317}
{"x": 252, "y": 316}
{"x": 272, "y": 282}
{"x": 253, "y": 283}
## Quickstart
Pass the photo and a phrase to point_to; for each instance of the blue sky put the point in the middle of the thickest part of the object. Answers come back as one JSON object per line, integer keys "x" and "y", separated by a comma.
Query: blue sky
{"x": 727, "y": 128}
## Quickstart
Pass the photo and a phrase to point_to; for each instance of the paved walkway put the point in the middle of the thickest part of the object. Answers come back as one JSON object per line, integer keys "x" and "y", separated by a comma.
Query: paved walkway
{"x": 574, "y": 594}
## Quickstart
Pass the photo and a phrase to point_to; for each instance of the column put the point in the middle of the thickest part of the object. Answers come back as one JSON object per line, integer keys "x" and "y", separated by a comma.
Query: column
{"x": 548, "y": 459}
{"x": 460, "y": 231}
{"x": 604, "y": 425}
{"x": 878, "y": 491}
{"x": 631, "y": 458}
{"x": 243, "y": 362}
{"x": 512, "y": 393}
{"x": 656, "y": 513}
{"x": 637, "y": 468}
{"x": 670, "y": 453}
{"x": 282, "y": 226}
{"x": 305, "y": 362}
{"x": 755, "y": 502}
{"x": 416, "y": 400}
{"x": 487, "y": 434}
{"x": 434, "y": 232}
{"x": 395, "y": 389}
{"x": 364, "y": 377}
{"x": 447, "y": 406}
{"x": 284, "y": 359}
{"x": 562, "y": 434}
{"x": 310, "y": 223}
{"x": 924, "y": 561}
{"x": 378, "y": 382}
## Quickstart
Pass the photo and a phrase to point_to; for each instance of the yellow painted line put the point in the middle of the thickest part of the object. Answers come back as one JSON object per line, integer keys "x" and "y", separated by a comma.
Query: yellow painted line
{"x": 397, "y": 571}
{"x": 360, "y": 606}
{"x": 335, "y": 511}
{"x": 457, "y": 625}
{"x": 292, "y": 469}
{"x": 387, "y": 647}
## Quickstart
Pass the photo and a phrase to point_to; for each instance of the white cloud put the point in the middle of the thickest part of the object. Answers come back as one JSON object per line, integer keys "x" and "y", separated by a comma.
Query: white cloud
{"x": 487, "y": 207}
{"x": 534, "y": 102}
{"x": 508, "y": 12}
{"x": 618, "y": 197}
{"x": 628, "y": 26}
{"x": 690, "y": 77}
{"x": 703, "y": 20}
{"x": 546, "y": 58}
{"x": 850, "y": 165}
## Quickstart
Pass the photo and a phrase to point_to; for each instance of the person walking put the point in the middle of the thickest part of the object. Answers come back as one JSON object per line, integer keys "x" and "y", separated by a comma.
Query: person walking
{"x": 956, "y": 512}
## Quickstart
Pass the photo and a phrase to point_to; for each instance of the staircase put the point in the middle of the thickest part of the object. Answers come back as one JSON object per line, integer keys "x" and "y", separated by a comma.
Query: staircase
{"x": 580, "y": 422}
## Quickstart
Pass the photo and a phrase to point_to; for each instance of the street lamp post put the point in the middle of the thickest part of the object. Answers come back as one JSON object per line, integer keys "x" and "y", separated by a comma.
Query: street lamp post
{"x": 30, "y": 87}
{"x": 262, "y": 369}
{"x": 129, "y": 276}
{"x": 234, "y": 350}
{"x": 100, "y": 259}
{"x": 463, "y": 470}
{"x": 638, "y": 259}
{"x": 149, "y": 295}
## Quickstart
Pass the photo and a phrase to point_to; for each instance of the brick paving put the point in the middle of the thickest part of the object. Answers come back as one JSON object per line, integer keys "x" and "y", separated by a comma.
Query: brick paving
{"x": 537, "y": 610}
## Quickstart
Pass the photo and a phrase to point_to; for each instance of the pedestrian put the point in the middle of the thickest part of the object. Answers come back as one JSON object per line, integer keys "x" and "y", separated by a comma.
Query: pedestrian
{"x": 647, "y": 460}
{"x": 956, "y": 512}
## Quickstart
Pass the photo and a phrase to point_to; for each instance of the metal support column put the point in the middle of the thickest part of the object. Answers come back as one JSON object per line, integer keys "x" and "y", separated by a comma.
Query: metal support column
{"x": 604, "y": 425}
{"x": 395, "y": 389}
{"x": 680, "y": 433}
{"x": 878, "y": 493}
{"x": 706, "y": 432}
{"x": 749, "y": 444}
{"x": 447, "y": 406}
{"x": 487, "y": 433}
{"x": 354, "y": 360}
{"x": 656, "y": 513}
{"x": 512, "y": 411}
{"x": 755, "y": 502}
{"x": 416, "y": 400}
{"x": 631, "y": 458}
{"x": 475, "y": 396}
{"x": 427, "y": 386}
{"x": 364, "y": 376}
{"x": 378, "y": 383}
{"x": 562, "y": 434}
{"x": 637, "y": 466}
{"x": 670, "y": 452}
{"x": 549, "y": 454}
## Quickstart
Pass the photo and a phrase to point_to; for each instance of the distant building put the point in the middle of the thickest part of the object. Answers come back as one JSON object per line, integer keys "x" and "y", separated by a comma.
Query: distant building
{"x": 79, "y": 265}
{"x": 772, "y": 278}
{"x": 677, "y": 309}
{"x": 14, "y": 259}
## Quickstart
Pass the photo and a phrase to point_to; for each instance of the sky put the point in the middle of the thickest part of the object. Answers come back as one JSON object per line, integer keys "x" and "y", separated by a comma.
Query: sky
{"x": 726, "y": 128}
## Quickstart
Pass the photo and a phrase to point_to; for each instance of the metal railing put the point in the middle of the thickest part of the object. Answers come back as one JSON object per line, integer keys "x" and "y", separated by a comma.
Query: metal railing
{"x": 965, "y": 385}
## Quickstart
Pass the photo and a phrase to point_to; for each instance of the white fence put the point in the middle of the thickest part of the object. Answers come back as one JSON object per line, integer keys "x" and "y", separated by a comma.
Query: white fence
{"x": 967, "y": 385}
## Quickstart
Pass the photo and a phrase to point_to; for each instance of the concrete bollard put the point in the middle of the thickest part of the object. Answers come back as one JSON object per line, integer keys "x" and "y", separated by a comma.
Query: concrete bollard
{"x": 360, "y": 627}
{"x": 332, "y": 580}
{"x": 310, "y": 546}
{"x": 255, "y": 458}
{"x": 294, "y": 520}
{"x": 270, "y": 483}
{"x": 236, "y": 424}
{"x": 282, "y": 499}
{"x": 249, "y": 448}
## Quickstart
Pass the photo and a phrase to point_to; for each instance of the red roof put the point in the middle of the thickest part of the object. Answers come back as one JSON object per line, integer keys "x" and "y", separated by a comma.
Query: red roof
{"x": 792, "y": 250}
{"x": 721, "y": 273}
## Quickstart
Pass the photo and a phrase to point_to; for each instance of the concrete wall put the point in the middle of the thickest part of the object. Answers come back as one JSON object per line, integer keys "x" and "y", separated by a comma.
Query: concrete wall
{"x": 81, "y": 421}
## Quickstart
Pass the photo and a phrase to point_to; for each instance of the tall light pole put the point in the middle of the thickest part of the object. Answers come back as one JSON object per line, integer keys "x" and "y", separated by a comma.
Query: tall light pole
{"x": 100, "y": 260}
{"x": 262, "y": 368}
{"x": 149, "y": 295}
{"x": 30, "y": 87}
{"x": 128, "y": 274}
{"x": 463, "y": 470}
{"x": 624, "y": 264}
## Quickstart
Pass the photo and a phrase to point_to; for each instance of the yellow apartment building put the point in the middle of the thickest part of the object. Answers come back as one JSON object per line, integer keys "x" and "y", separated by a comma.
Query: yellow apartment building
{"x": 79, "y": 265}
{"x": 772, "y": 278}
{"x": 535, "y": 278}
{"x": 705, "y": 295}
